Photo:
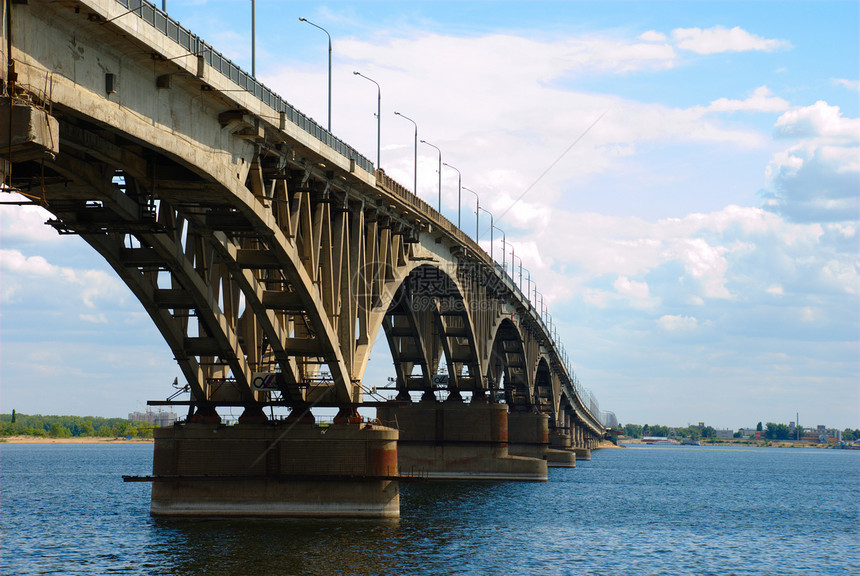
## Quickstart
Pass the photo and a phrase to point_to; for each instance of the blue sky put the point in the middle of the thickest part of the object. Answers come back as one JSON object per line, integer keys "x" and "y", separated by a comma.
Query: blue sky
{"x": 698, "y": 244}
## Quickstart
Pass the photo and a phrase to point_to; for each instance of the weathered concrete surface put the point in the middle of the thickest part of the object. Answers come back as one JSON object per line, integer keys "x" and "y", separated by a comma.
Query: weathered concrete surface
{"x": 582, "y": 453}
{"x": 35, "y": 134}
{"x": 456, "y": 441}
{"x": 559, "y": 454}
{"x": 560, "y": 458}
{"x": 275, "y": 470}
{"x": 528, "y": 434}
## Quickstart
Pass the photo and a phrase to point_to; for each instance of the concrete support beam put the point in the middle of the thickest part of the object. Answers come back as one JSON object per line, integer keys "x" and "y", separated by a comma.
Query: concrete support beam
{"x": 275, "y": 469}
{"x": 35, "y": 134}
{"x": 528, "y": 434}
{"x": 560, "y": 454}
{"x": 454, "y": 441}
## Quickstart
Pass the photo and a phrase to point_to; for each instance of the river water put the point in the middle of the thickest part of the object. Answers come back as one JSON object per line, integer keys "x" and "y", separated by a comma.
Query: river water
{"x": 650, "y": 510}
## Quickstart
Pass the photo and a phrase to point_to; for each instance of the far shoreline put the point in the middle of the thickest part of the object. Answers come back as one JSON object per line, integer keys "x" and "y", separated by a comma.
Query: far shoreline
{"x": 73, "y": 440}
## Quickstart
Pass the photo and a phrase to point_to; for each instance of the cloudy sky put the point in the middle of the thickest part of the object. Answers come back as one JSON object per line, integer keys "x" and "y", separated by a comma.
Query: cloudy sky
{"x": 681, "y": 180}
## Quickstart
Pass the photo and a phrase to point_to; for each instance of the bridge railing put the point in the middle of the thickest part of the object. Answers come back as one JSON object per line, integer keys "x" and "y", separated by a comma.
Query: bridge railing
{"x": 195, "y": 45}
{"x": 159, "y": 20}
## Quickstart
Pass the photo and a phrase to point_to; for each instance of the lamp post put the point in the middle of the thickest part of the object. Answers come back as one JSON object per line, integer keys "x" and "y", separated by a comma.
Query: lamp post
{"x": 329, "y": 66}
{"x": 477, "y": 211}
{"x": 378, "y": 117}
{"x": 459, "y": 190}
{"x": 253, "y": 39}
{"x": 503, "y": 246}
{"x": 528, "y": 282}
{"x": 539, "y": 306}
{"x": 415, "y": 160}
{"x": 521, "y": 267}
{"x": 504, "y": 267}
{"x": 439, "y": 207}
{"x": 491, "y": 229}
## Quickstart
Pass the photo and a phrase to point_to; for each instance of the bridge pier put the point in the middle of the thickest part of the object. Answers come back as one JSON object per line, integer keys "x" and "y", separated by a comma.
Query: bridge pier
{"x": 275, "y": 469}
{"x": 457, "y": 441}
{"x": 560, "y": 454}
{"x": 528, "y": 434}
{"x": 579, "y": 443}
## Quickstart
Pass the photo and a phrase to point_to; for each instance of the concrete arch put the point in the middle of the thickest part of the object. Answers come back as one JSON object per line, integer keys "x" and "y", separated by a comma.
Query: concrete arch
{"x": 508, "y": 365}
{"x": 426, "y": 317}
{"x": 543, "y": 388}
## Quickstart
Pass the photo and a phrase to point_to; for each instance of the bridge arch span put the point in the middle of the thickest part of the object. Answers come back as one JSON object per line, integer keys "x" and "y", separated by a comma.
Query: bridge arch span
{"x": 257, "y": 241}
{"x": 427, "y": 321}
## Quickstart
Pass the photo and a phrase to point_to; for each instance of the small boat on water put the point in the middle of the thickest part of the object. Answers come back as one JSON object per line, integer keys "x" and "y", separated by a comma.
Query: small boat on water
{"x": 690, "y": 442}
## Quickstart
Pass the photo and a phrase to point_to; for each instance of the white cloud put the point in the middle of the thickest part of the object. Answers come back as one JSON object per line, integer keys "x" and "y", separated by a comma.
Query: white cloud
{"x": 719, "y": 39}
{"x": 761, "y": 100}
{"x": 677, "y": 323}
{"x": 508, "y": 140}
{"x": 653, "y": 36}
{"x": 15, "y": 261}
{"x": 634, "y": 289}
{"x": 26, "y": 223}
{"x": 850, "y": 84}
{"x": 820, "y": 119}
{"x": 736, "y": 254}
{"x": 816, "y": 179}
{"x": 706, "y": 264}
{"x": 89, "y": 286}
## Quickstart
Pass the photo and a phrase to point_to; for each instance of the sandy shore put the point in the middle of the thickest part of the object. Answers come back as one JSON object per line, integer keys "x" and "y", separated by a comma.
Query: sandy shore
{"x": 607, "y": 444}
{"x": 88, "y": 440}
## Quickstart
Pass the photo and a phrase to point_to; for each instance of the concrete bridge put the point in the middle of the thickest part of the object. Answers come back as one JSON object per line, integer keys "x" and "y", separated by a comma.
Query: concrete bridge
{"x": 270, "y": 255}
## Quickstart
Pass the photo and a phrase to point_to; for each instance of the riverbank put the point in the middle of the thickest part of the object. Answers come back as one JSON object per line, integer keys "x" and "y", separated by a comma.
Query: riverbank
{"x": 607, "y": 444}
{"x": 78, "y": 440}
{"x": 738, "y": 442}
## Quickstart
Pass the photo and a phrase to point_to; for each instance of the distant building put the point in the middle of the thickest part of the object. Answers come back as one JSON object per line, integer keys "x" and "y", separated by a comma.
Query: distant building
{"x": 159, "y": 418}
{"x": 726, "y": 434}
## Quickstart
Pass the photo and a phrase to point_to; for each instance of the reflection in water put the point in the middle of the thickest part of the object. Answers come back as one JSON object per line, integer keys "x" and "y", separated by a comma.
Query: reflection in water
{"x": 275, "y": 546}
{"x": 434, "y": 516}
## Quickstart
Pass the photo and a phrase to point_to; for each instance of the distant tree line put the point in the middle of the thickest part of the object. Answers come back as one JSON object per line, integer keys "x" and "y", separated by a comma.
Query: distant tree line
{"x": 771, "y": 431}
{"x": 71, "y": 426}
{"x": 694, "y": 432}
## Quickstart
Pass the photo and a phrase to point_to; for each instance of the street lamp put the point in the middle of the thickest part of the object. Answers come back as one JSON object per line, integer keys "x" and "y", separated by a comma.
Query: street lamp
{"x": 528, "y": 282}
{"x": 459, "y": 190}
{"x": 521, "y": 267}
{"x": 415, "y": 161}
{"x": 504, "y": 267}
{"x": 439, "y": 208}
{"x": 329, "y": 66}
{"x": 540, "y": 307}
{"x": 503, "y": 245}
{"x": 491, "y": 229}
{"x": 477, "y": 210}
{"x": 253, "y": 39}
{"x": 378, "y": 116}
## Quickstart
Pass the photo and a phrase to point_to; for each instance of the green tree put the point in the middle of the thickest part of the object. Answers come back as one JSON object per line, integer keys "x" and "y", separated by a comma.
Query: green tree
{"x": 59, "y": 431}
{"x": 87, "y": 429}
{"x": 777, "y": 431}
{"x": 758, "y": 427}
